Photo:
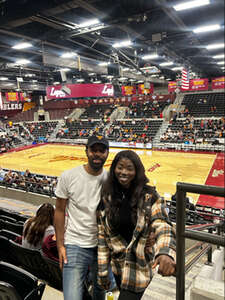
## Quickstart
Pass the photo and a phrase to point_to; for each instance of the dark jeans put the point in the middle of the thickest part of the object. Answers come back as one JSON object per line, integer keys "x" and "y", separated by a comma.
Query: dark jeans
{"x": 125, "y": 294}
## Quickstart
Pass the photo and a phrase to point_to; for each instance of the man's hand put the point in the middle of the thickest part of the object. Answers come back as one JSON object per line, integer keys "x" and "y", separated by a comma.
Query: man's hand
{"x": 62, "y": 256}
{"x": 167, "y": 265}
{"x": 104, "y": 283}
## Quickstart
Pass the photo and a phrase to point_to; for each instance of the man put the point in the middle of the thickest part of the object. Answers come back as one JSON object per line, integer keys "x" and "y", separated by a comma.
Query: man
{"x": 78, "y": 195}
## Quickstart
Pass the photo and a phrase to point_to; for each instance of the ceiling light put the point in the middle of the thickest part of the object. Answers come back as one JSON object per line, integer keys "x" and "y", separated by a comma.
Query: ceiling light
{"x": 65, "y": 69}
{"x": 169, "y": 63}
{"x": 218, "y": 56}
{"x": 56, "y": 83}
{"x": 123, "y": 78}
{"x": 168, "y": 79}
{"x": 98, "y": 81}
{"x": 150, "y": 56}
{"x": 22, "y": 46}
{"x": 29, "y": 75}
{"x": 125, "y": 69}
{"x": 132, "y": 80}
{"x": 191, "y": 4}
{"x": 91, "y": 74}
{"x": 140, "y": 81}
{"x": 9, "y": 84}
{"x": 3, "y": 78}
{"x": 110, "y": 76}
{"x": 22, "y": 62}
{"x": 122, "y": 44}
{"x": 215, "y": 46}
{"x": 222, "y": 67}
{"x": 207, "y": 28}
{"x": 103, "y": 64}
{"x": 68, "y": 54}
{"x": 80, "y": 80}
{"x": 220, "y": 62}
{"x": 177, "y": 69}
{"x": 154, "y": 75}
{"x": 162, "y": 77}
{"x": 89, "y": 23}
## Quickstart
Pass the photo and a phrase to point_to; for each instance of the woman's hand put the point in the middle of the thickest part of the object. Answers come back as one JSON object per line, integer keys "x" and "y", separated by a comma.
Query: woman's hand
{"x": 167, "y": 265}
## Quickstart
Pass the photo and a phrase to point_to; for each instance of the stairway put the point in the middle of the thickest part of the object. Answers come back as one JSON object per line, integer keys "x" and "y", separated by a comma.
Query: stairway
{"x": 160, "y": 132}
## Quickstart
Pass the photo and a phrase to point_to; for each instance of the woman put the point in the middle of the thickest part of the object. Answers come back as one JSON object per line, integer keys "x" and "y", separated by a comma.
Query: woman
{"x": 37, "y": 228}
{"x": 130, "y": 210}
{"x": 49, "y": 247}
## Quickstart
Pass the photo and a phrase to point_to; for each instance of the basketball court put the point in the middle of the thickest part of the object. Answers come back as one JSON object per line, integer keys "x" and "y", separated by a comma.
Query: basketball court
{"x": 163, "y": 168}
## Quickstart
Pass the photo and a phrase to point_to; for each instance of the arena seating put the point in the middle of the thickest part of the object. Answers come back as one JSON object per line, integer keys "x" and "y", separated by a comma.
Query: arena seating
{"x": 205, "y": 105}
{"x": 97, "y": 111}
{"x": 134, "y": 130}
{"x": 41, "y": 129}
{"x": 196, "y": 130}
{"x": 24, "y": 283}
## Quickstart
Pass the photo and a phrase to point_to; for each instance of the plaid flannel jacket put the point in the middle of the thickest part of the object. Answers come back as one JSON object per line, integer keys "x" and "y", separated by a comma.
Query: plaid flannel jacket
{"x": 133, "y": 262}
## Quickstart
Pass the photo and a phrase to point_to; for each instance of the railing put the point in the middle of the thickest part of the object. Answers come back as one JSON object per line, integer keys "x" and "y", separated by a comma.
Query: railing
{"x": 181, "y": 233}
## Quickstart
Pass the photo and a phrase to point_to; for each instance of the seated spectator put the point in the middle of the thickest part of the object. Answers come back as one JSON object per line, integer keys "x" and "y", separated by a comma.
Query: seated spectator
{"x": 37, "y": 228}
{"x": 49, "y": 248}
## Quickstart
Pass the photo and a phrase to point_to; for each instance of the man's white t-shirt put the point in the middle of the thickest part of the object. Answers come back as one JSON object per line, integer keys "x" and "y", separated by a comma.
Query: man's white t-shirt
{"x": 83, "y": 193}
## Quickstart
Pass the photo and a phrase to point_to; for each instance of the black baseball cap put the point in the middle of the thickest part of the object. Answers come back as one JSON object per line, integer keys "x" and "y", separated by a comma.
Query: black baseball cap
{"x": 97, "y": 139}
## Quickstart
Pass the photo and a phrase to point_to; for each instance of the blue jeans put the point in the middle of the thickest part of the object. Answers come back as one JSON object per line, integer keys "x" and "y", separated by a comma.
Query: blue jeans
{"x": 80, "y": 261}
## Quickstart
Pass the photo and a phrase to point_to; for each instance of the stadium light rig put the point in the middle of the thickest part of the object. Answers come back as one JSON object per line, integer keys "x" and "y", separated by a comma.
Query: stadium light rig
{"x": 207, "y": 28}
{"x": 122, "y": 44}
{"x": 22, "y": 46}
{"x": 191, "y": 4}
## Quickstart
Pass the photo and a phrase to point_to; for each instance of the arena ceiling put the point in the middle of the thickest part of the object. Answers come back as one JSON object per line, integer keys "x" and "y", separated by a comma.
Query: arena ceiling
{"x": 154, "y": 27}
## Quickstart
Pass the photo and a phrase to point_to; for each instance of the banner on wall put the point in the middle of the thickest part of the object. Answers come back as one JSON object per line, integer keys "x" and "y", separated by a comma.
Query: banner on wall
{"x": 16, "y": 97}
{"x": 172, "y": 85}
{"x": 79, "y": 91}
{"x": 200, "y": 84}
{"x": 12, "y": 106}
{"x": 128, "y": 90}
{"x": 218, "y": 83}
{"x": 143, "y": 91}
{"x": 12, "y": 96}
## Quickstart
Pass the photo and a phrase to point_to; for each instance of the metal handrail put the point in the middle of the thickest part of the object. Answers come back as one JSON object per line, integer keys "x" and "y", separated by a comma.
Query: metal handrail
{"x": 200, "y": 253}
{"x": 181, "y": 233}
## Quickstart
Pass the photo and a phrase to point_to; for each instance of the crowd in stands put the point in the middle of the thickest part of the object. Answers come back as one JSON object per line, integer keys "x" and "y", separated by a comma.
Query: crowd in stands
{"x": 28, "y": 181}
{"x": 138, "y": 131}
{"x": 8, "y": 141}
{"x": 148, "y": 109}
{"x": 136, "y": 126}
{"x": 193, "y": 131}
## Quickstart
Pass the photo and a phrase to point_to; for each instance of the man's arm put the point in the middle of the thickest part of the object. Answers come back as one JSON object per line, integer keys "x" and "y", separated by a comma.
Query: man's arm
{"x": 59, "y": 220}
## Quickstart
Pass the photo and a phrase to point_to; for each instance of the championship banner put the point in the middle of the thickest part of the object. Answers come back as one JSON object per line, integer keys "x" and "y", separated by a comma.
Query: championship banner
{"x": 16, "y": 97}
{"x": 12, "y": 96}
{"x": 172, "y": 85}
{"x": 128, "y": 90}
{"x": 79, "y": 91}
{"x": 200, "y": 84}
{"x": 218, "y": 83}
{"x": 143, "y": 91}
